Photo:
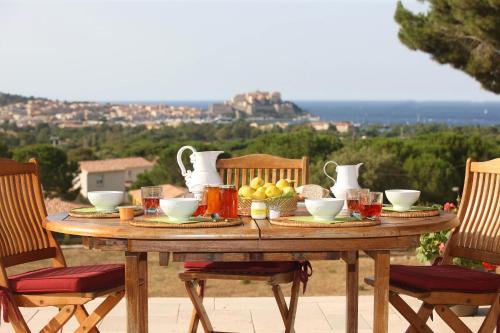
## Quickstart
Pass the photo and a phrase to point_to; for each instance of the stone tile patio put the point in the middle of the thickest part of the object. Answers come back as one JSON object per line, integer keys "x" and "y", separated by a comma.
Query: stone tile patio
{"x": 247, "y": 315}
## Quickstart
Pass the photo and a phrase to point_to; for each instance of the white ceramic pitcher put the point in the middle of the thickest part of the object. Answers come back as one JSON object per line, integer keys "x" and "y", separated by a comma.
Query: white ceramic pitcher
{"x": 347, "y": 178}
{"x": 204, "y": 169}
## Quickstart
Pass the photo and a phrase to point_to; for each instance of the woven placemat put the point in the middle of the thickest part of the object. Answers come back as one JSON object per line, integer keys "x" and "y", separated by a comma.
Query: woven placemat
{"x": 194, "y": 222}
{"x": 415, "y": 211}
{"x": 91, "y": 212}
{"x": 309, "y": 222}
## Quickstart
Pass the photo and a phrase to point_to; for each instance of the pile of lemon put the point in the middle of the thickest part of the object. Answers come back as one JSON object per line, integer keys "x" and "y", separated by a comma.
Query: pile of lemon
{"x": 260, "y": 190}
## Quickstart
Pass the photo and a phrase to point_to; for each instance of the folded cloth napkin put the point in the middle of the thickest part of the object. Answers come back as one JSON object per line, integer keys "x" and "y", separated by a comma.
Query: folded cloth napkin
{"x": 6, "y": 301}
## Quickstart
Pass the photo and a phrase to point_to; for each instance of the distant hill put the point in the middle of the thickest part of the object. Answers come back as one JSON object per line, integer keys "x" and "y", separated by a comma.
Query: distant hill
{"x": 6, "y": 99}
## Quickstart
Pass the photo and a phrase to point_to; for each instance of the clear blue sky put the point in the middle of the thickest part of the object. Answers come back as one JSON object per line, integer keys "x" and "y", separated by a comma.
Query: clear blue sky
{"x": 199, "y": 50}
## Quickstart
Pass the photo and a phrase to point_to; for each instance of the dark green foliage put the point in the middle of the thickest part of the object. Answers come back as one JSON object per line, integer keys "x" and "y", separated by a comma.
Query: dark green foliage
{"x": 427, "y": 157}
{"x": 4, "y": 150}
{"x": 462, "y": 33}
{"x": 295, "y": 144}
{"x": 56, "y": 171}
{"x": 6, "y": 99}
{"x": 381, "y": 169}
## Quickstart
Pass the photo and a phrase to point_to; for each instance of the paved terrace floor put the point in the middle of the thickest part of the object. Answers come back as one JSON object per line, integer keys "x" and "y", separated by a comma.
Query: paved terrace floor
{"x": 247, "y": 315}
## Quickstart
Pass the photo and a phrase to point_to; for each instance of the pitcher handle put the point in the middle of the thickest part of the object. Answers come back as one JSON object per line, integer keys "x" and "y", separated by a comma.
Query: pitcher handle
{"x": 326, "y": 173}
{"x": 179, "y": 158}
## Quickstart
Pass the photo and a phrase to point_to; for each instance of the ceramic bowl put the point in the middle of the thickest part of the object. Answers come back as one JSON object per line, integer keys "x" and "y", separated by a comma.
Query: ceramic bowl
{"x": 402, "y": 200}
{"x": 324, "y": 209}
{"x": 179, "y": 209}
{"x": 105, "y": 201}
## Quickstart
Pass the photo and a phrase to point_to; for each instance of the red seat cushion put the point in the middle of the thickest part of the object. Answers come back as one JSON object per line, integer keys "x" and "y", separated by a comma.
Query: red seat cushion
{"x": 68, "y": 279}
{"x": 257, "y": 267}
{"x": 444, "y": 278}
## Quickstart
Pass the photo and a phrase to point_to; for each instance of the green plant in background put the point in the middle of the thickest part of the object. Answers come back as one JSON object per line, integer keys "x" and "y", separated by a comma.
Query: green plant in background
{"x": 432, "y": 245}
{"x": 56, "y": 171}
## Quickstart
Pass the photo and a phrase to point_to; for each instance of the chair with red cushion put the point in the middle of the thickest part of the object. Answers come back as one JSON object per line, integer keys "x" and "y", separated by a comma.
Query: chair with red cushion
{"x": 240, "y": 171}
{"x": 478, "y": 238}
{"x": 23, "y": 239}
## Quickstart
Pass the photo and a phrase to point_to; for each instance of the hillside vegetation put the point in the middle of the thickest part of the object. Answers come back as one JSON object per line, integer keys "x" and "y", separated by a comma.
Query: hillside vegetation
{"x": 426, "y": 157}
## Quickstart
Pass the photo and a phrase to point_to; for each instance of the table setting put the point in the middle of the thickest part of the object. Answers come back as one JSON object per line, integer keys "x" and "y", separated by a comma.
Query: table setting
{"x": 208, "y": 225}
{"x": 210, "y": 203}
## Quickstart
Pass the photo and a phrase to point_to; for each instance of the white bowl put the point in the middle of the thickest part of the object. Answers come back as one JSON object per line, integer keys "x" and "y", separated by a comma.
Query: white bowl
{"x": 402, "y": 200}
{"x": 105, "y": 201}
{"x": 324, "y": 209}
{"x": 179, "y": 209}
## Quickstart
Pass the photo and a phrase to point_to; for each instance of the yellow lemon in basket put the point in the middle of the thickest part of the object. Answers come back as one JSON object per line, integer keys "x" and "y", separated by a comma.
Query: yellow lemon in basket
{"x": 289, "y": 192}
{"x": 266, "y": 185}
{"x": 256, "y": 183}
{"x": 259, "y": 195}
{"x": 261, "y": 189}
{"x": 246, "y": 192}
{"x": 282, "y": 183}
{"x": 273, "y": 192}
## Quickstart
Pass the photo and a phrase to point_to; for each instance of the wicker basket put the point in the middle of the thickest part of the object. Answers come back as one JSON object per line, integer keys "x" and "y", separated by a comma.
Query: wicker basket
{"x": 286, "y": 206}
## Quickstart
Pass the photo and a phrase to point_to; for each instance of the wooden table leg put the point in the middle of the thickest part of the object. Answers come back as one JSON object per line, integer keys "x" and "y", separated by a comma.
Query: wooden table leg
{"x": 352, "y": 287}
{"x": 381, "y": 292}
{"x": 136, "y": 287}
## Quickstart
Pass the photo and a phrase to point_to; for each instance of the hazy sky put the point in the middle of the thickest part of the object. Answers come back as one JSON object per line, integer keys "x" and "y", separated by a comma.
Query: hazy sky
{"x": 187, "y": 50}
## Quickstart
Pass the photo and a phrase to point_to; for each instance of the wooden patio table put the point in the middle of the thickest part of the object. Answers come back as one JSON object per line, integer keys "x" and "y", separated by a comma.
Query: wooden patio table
{"x": 255, "y": 240}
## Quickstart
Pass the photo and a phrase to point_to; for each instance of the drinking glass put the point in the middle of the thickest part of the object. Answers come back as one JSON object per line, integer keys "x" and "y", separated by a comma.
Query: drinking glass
{"x": 213, "y": 200}
{"x": 370, "y": 204}
{"x": 229, "y": 201}
{"x": 151, "y": 196}
{"x": 352, "y": 197}
{"x": 202, "y": 205}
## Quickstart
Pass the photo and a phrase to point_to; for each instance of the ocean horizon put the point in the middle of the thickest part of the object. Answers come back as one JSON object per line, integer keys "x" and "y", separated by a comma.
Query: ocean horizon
{"x": 454, "y": 113}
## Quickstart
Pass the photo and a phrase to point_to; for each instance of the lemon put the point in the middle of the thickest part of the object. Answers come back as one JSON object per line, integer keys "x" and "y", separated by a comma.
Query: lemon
{"x": 256, "y": 183}
{"x": 246, "y": 192}
{"x": 282, "y": 183}
{"x": 266, "y": 185}
{"x": 273, "y": 192}
{"x": 261, "y": 189}
{"x": 259, "y": 195}
{"x": 289, "y": 192}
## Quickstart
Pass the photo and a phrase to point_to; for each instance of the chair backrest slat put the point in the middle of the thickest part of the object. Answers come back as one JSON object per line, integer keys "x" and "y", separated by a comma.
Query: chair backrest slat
{"x": 478, "y": 236}
{"x": 22, "y": 212}
{"x": 241, "y": 170}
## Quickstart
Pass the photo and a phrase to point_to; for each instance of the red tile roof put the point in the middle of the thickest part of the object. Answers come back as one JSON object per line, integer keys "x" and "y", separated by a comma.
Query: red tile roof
{"x": 116, "y": 164}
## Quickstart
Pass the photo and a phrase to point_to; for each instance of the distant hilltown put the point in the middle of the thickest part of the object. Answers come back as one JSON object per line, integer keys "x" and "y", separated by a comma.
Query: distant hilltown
{"x": 262, "y": 109}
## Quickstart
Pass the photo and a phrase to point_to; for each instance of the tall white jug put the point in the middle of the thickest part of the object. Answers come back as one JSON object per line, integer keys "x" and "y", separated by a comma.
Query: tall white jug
{"x": 204, "y": 169}
{"x": 347, "y": 178}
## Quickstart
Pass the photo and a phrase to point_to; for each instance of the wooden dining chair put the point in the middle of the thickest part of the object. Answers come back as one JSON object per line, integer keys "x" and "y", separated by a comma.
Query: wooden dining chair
{"x": 240, "y": 171}
{"x": 477, "y": 238}
{"x": 23, "y": 239}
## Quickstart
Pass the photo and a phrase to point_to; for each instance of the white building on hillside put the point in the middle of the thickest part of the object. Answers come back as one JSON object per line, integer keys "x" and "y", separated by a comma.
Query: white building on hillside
{"x": 110, "y": 175}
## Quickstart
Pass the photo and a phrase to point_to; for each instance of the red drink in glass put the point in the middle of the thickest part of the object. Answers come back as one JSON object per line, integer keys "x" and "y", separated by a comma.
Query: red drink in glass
{"x": 200, "y": 211}
{"x": 370, "y": 210}
{"x": 352, "y": 206}
{"x": 150, "y": 197}
{"x": 151, "y": 203}
{"x": 370, "y": 204}
{"x": 229, "y": 201}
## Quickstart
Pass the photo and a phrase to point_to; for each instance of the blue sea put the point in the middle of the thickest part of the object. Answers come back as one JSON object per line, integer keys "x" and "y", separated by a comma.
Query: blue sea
{"x": 453, "y": 113}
